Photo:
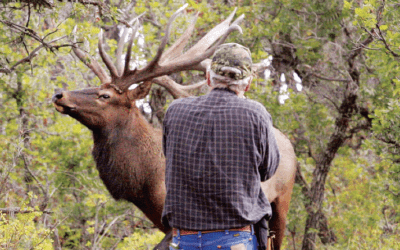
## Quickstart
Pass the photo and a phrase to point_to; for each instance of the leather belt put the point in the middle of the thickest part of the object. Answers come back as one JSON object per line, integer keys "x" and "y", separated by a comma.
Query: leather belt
{"x": 190, "y": 232}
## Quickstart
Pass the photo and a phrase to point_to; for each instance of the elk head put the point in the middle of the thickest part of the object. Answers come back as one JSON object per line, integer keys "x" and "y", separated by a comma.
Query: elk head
{"x": 107, "y": 105}
{"x": 96, "y": 107}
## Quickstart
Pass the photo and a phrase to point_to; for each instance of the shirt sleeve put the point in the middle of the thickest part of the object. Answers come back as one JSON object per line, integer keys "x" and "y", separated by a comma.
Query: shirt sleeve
{"x": 272, "y": 155}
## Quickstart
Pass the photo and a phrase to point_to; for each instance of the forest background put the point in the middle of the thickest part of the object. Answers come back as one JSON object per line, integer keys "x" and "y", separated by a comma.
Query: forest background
{"x": 332, "y": 85}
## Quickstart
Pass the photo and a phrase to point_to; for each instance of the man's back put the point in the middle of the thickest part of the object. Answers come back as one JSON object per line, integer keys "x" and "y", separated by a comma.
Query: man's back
{"x": 218, "y": 148}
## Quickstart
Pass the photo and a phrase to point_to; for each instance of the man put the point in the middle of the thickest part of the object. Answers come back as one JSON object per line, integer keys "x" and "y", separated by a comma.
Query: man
{"x": 218, "y": 149}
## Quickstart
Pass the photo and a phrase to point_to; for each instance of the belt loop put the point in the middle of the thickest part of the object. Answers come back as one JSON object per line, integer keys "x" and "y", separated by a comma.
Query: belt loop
{"x": 252, "y": 229}
{"x": 178, "y": 234}
{"x": 226, "y": 231}
{"x": 199, "y": 233}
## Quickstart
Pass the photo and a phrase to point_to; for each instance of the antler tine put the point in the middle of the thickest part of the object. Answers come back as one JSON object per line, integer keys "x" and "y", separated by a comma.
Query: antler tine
{"x": 204, "y": 43}
{"x": 164, "y": 40}
{"x": 193, "y": 63}
{"x": 176, "y": 49}
{"x": 106, "y": 58}
{"x": 129, "y": 50}
{"x": 120, "y": 48}
{"x": 90, "y": 62}
{"x": 202, "y": 50}
{"x": 260, "y": 67}
{"x": 210, "y": 37}
{"x": 174, "y": 88}
{"x": 171, "y": 86}
{"x": 234, "y": 27}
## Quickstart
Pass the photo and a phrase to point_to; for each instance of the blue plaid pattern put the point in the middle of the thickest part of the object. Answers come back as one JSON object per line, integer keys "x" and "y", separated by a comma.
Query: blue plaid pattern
{"x": 218, "y": 148}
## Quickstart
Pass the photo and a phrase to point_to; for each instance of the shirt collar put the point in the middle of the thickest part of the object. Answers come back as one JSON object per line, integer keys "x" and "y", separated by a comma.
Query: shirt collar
{"x": 224, "y": 90}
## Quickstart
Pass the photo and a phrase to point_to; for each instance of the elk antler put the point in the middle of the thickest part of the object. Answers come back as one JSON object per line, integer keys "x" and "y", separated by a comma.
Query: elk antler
{"x": 89, "y": 61}
{"x": 163, "y": 63}
{"x": 121, "y": 43}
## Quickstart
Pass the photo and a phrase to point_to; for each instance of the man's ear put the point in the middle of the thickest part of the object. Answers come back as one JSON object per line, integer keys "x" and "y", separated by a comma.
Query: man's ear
{"x": 248, "y": 84}
{"x": 208, "y": 78}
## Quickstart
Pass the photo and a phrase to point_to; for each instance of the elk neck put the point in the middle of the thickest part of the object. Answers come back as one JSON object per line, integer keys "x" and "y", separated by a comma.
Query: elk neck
{"x": 129, "y": 157}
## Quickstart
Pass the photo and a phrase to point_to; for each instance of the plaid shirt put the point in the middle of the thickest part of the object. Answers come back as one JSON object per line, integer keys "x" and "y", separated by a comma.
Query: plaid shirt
{"x": 218, "y": 148}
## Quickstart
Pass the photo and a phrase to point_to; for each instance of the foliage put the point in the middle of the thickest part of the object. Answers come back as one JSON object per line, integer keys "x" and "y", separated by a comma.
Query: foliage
{"x": 141, "y": 241}
{"x": 47, "y": 172}
{"x": 21, "y": 231}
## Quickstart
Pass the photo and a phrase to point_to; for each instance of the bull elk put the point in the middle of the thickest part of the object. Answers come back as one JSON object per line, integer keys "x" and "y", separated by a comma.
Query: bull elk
{"x": 128, "y": 150}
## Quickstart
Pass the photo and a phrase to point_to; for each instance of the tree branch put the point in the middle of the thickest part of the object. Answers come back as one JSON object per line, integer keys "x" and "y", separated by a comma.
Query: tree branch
{"x": 302, "y": 181}
{"x": 387, "y": 187}
{"x": 34, "y": 53}
{"x": 388, "y": 141}
{"x": 24, "y": 30}
{"x": 17, "y": 210}
{"x": 382, "y": 38}
{"x": 329, "y": 79}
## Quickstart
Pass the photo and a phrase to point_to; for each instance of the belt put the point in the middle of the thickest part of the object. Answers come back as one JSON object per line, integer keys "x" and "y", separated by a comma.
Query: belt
{"x": 189, "y": 232}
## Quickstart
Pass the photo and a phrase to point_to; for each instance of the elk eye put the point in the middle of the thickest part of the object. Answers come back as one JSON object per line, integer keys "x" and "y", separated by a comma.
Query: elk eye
{"x": 104, "y": 96}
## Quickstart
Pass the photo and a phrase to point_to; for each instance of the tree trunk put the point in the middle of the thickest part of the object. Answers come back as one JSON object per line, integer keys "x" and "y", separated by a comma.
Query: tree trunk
{"x": 316, "y": 194}
{"x": 326, "y": 235}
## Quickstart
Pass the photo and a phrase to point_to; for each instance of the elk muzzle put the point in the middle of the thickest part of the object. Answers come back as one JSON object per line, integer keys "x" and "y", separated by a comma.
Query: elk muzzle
{"x": 60, "y": 103}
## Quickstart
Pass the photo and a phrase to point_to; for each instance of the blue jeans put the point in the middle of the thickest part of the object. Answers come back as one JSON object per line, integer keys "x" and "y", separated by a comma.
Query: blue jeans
{"x": 224, "y": 240}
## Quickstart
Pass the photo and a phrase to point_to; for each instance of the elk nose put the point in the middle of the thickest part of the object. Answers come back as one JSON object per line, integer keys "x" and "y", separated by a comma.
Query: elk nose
{"x": 57, "y": 96}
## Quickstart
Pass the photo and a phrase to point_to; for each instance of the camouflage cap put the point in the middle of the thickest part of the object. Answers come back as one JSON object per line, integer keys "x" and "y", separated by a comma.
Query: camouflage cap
{"x": 232, "y": 60}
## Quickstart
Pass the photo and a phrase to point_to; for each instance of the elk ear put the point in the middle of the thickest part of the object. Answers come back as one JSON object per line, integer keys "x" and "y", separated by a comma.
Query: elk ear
{"x": 141, "y": 91}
